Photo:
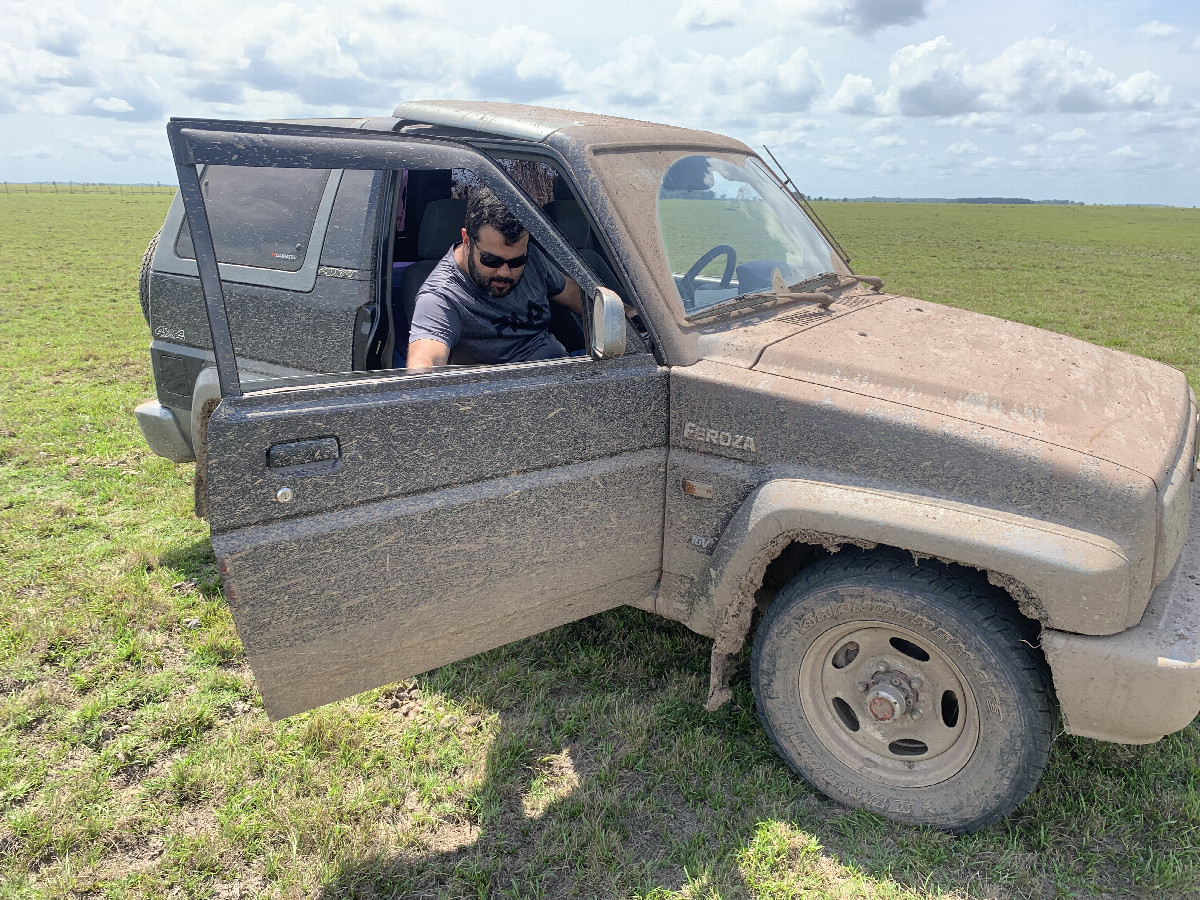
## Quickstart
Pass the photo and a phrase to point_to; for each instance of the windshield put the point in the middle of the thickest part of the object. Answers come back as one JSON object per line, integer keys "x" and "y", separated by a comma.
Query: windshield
{"x": 727, "y": 225}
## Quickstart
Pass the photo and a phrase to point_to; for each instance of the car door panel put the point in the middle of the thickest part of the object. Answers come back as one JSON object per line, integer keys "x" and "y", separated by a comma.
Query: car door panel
{"x": 339, "y": 602}
{"x": 457, "y": 513}
{"x": 407, "y": 435}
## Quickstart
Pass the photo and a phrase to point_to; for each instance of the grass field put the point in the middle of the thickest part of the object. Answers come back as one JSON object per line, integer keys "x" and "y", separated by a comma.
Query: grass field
{"x": 136, "y": 761}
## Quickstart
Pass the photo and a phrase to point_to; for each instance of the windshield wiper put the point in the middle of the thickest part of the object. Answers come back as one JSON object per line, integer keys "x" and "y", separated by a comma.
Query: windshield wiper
{"x": 779, "y": 292}
{"x": 792, "y": 292}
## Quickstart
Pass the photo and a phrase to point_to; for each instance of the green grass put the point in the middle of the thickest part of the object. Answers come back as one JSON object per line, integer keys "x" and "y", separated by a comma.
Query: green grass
{"x": 136, "y": 761}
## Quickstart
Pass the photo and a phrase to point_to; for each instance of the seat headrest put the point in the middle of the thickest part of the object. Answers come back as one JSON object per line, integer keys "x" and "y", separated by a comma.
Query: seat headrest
{"x": 571, "y": 221}
{"x": 441, "y": 227}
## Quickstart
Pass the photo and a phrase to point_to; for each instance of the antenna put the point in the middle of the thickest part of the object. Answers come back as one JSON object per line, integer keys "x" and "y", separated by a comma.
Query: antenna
{"x": 787, "y": 182}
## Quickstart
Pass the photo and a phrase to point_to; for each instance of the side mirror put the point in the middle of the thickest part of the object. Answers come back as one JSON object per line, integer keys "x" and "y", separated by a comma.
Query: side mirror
{"x": 608, "y": 324}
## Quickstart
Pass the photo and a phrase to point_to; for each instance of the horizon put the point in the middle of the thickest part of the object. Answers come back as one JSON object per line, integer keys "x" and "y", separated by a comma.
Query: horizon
{"x": 976, "y": 201}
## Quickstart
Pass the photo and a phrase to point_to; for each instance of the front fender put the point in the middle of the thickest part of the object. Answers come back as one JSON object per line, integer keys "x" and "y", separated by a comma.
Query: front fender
{"x": 1067, "y": 579}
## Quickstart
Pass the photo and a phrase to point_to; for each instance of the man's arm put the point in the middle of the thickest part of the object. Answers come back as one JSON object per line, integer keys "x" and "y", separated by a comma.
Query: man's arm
{"x": 425, "y": 354}
{"x": 570, "y": 296}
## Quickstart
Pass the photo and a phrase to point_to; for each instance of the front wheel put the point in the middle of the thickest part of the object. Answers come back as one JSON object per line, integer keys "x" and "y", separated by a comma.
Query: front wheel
{"x": 911, "y": 691}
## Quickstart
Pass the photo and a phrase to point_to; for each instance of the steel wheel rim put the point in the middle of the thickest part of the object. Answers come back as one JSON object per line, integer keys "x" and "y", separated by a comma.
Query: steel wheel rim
{"x": 930, "y": 703}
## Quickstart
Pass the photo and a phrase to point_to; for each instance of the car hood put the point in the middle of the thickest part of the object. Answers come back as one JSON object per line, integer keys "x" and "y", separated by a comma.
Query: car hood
{"x": 1048, "y": 387}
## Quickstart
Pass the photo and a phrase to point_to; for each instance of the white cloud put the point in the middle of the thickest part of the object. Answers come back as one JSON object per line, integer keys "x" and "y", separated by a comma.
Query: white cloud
{"x": 887, "y": 140}
{"x": 112, "y": 105}
{"x": 634, "y": 76}
{"x": 1040, "y": 74}
{"x": 38, "y": 151}
{"x": 841, "y": 165}
{"x": 1075, "y": 134}
{"x": 931, "y": 79}
{"x": 1035, "y": 75}
{"x": 962, "y": 147}
{"x": 880, "y": 123}
{"x": 695, "y": 14}
{"x": 117, "y": 152}
{"x": 864, "y": 17}
{"x": 856, "y": 96}
{"x": 767, "y": 80}
{"x": 1142, "y": 91}
{"x": 1157, "y": 29}
{"x": 1126, "y": 152}
{"x": 984, "y": 121}
{"x": 60, "y": 29}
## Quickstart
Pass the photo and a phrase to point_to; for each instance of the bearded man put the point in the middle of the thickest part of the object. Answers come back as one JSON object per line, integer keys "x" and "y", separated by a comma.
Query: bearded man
{"x": 488, "y": 299}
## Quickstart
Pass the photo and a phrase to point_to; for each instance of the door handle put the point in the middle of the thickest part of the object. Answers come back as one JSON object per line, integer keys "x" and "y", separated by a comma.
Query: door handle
{"x": 302, "y": 453}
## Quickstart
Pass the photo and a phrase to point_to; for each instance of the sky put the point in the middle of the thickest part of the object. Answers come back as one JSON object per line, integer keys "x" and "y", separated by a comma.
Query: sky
{"x": 1095, "y": 101}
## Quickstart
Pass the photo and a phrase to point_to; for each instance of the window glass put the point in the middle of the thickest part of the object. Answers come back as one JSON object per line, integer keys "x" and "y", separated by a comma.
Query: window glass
{"x": 726, "y": 227}
{"x": 344, "y": 325}
{"x": 260, "y": 217}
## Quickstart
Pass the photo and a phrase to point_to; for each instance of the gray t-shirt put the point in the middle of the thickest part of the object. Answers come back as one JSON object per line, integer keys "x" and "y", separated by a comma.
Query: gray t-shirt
{"x": 452, "y": 309}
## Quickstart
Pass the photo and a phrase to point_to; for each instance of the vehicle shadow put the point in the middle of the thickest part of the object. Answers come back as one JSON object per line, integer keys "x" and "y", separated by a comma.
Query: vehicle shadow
{"x": 606, "y": 778}
{"x": 594, "y": 771}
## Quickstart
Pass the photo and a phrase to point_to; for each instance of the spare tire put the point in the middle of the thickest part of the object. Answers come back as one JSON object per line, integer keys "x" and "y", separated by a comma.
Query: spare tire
{"x": 144, "y": 276}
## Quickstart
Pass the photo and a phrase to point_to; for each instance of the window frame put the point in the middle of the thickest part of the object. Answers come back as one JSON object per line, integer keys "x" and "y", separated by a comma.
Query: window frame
{"x": 199, "y": 142}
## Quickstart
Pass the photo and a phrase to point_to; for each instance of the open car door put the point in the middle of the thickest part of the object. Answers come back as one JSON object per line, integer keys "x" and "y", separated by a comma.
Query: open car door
{"x": 373, "y": 525}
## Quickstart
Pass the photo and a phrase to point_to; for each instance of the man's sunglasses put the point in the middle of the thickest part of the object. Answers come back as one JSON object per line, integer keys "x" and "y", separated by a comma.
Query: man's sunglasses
{"x": 492, "y": 261}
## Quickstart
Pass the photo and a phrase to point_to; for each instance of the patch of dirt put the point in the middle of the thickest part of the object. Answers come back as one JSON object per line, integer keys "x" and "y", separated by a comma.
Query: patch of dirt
{"x": 559, "y": 778}
{"x": 248, "y": 886}
{"x": 451, "y": 836}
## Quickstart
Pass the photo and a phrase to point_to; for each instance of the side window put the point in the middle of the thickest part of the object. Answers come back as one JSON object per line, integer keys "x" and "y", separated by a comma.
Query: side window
{"x": 260, "y": 217}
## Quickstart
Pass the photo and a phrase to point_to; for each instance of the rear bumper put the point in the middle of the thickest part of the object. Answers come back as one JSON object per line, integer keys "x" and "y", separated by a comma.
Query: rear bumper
{"x": 1136, "y": 686}
{"x": 162, "y": 432}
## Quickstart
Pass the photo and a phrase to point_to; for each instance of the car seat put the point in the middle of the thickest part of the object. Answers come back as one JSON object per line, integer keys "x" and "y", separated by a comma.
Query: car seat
{"x": 441, "y": 227}
{"x": 568, "y": 216}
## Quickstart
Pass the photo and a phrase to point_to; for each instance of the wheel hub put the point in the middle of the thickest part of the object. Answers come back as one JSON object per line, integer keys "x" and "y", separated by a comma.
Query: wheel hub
{"x": 889, "y": 703}
{"x": 890, "y": 696}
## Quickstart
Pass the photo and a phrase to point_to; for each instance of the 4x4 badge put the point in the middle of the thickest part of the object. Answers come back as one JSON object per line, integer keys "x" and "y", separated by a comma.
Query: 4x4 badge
{"x": 721, "y": 438}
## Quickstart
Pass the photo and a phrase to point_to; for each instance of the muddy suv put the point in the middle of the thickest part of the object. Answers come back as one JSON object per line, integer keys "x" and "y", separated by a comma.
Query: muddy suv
{"x": 938, "y": 531}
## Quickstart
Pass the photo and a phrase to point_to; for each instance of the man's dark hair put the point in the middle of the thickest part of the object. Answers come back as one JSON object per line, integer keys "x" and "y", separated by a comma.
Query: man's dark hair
{"x": 484, "y": 209}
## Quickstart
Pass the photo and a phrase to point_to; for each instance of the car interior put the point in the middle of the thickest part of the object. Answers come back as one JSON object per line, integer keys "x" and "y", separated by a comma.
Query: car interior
{"x": 430, "y": 211}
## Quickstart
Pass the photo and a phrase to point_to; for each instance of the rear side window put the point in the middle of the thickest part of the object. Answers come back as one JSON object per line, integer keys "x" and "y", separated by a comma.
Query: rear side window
{"x": 259, "y": 217}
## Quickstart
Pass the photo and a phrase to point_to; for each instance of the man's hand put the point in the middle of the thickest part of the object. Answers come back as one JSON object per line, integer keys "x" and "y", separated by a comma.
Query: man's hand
{"x": 425, "y": 354}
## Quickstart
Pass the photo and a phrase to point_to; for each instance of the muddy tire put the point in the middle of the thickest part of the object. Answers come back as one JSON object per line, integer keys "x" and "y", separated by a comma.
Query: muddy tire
{"x": 911, "y": 691}
{"x": 144, "y": 276}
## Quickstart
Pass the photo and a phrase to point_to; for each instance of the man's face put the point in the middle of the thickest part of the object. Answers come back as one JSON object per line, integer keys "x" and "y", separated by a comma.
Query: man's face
{"x": 496, "y": 280}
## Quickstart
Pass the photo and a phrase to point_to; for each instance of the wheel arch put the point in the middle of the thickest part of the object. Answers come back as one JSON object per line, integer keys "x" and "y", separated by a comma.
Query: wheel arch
{"x": 1058, "y": 577}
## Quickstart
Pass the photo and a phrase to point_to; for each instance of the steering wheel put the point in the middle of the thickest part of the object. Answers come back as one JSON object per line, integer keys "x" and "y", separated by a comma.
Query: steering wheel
{"x": 687, "y": 287}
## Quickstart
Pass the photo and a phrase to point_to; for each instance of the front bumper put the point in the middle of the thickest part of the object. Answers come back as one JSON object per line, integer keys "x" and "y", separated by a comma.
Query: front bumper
{"x": 1136, "y": 686}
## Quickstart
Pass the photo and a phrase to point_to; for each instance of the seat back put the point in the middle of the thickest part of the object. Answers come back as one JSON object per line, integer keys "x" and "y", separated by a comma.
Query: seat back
{"x": 569, "y": 217}
{"x": 441, "y": 227}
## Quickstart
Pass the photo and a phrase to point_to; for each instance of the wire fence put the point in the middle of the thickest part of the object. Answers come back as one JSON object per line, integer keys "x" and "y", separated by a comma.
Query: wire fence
{"x": 87, "y": 187}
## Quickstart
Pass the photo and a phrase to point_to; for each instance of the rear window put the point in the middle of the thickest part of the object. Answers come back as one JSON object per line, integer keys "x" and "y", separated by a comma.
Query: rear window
{"x": 260, "y": 217}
